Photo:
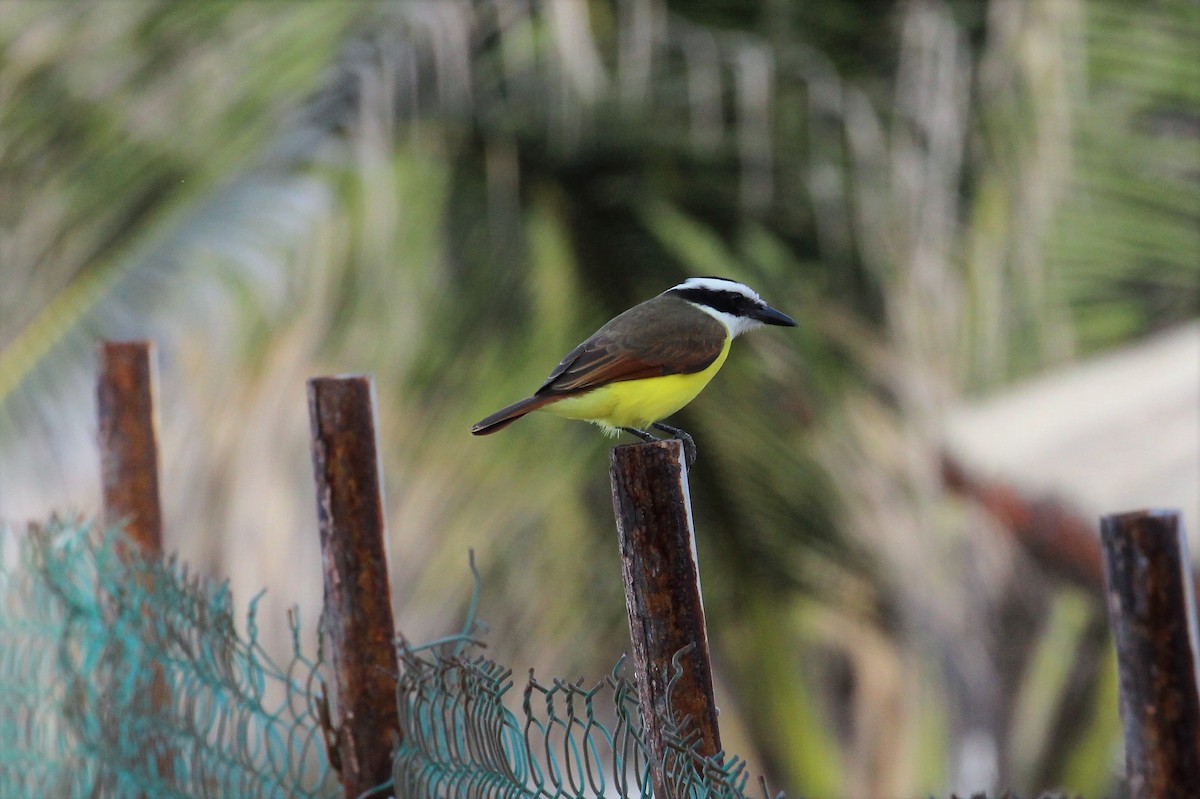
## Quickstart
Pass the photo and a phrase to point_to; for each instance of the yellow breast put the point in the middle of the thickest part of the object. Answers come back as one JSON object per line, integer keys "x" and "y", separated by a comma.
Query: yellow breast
{"x": 637, "y": 403}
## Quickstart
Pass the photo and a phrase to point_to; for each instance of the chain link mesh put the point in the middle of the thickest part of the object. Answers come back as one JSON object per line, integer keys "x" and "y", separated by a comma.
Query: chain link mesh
{"x": 122, "y": 677}
{"x": 567, "y": 740}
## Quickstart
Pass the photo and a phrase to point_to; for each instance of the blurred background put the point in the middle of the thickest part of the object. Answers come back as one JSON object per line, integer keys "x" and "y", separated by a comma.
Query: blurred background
{"x": 984, "y": 214}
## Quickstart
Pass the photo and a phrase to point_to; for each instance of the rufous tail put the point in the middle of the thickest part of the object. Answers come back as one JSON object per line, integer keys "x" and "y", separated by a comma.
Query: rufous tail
{"x": 506, "y": 416}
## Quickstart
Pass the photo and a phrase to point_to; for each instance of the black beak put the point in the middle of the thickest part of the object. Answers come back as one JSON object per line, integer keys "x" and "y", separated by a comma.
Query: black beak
{"x": 769, "y": 316}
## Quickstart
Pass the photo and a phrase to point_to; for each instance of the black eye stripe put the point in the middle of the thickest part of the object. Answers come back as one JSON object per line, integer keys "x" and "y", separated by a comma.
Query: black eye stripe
{"x": 731, "y": 302}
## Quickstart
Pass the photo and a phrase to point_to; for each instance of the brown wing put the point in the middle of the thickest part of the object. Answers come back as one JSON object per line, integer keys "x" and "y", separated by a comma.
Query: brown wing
{"x": 661, "y": 336}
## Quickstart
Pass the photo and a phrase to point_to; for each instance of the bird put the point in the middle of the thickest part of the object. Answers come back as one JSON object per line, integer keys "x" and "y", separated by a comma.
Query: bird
{"x": 646, "y": 363}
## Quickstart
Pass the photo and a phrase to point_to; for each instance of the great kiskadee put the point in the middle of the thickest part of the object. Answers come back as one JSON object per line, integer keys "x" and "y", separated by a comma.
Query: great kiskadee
{"x": 648, "y": 362}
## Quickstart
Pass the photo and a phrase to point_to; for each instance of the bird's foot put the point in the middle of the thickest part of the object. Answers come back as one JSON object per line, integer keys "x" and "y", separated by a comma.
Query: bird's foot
{"x": 689, "y": 444}
{"x": 642, "y": 434}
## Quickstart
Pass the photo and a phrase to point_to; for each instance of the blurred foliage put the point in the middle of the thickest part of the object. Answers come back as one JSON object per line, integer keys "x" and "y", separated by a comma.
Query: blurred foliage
{"x": 448, "y": 195}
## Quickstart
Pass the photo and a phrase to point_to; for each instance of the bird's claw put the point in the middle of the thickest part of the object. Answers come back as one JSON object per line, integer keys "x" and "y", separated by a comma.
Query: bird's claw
{"x": 689, "y": 444}
{"x": 642, "y": 434}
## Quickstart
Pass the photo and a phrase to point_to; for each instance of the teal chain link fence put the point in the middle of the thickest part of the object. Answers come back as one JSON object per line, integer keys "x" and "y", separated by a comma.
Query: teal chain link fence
{"x": 566, "y": 741}
{"x": 126, "y": 678}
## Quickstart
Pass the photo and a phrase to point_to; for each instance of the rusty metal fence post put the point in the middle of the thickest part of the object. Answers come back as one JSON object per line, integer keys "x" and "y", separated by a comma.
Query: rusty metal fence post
{"x": 358, "y": 610}
{"x": 662, "y": 595}
{"x": 1152, "y": 611}
{"x": 128, "y": 441}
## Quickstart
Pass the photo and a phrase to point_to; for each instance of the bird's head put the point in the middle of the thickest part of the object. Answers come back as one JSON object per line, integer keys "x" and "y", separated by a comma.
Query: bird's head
{"x": 734, "y": 304}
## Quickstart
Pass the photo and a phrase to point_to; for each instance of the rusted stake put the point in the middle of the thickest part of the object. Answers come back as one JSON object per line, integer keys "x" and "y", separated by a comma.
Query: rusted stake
{"x": 129, "y": 481}
{"x": 128, "y": 444}
{"x": 1152, "y": 611}
{"x": 662, "y": 594}
{"x": 358, "y": 609}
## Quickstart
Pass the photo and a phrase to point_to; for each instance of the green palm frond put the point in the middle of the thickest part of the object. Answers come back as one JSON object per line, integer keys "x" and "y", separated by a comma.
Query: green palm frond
{"x": 117, "y": 194}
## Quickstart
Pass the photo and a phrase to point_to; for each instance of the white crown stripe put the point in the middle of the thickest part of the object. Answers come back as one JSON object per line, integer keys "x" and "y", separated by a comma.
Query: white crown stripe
{"x": 718, "y": 284}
